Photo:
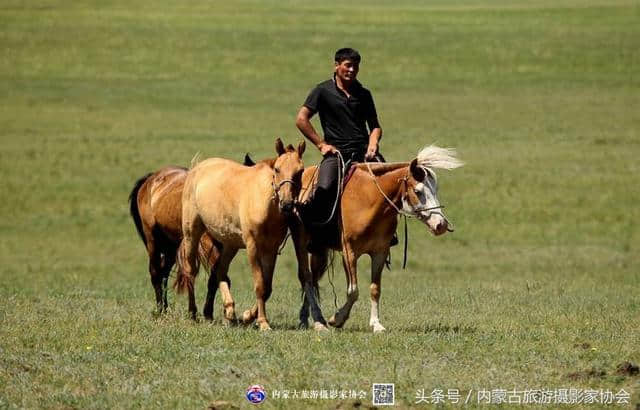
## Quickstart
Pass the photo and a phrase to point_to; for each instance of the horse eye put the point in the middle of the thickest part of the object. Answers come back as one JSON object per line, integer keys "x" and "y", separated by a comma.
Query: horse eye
{"x": 277, "y": 170}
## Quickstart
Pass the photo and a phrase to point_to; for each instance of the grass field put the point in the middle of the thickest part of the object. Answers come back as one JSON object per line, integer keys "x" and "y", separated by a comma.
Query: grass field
{"x": 537, "y": 288}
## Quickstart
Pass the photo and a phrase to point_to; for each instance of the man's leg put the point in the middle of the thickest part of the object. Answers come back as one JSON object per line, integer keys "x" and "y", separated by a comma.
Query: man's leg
{"x": 319, "y": 213}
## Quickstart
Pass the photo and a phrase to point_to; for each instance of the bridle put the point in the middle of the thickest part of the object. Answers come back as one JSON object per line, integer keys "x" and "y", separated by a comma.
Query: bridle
{"x": 416, "y": 211}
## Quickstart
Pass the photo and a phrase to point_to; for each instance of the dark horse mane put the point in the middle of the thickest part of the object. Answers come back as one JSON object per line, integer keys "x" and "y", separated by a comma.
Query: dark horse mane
{"x": 249, "y": 162}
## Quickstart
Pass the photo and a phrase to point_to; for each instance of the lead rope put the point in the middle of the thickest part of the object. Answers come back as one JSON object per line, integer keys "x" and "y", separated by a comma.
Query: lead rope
{"x": 406, "y": 243}
{"x": 284, "y": 242}
{"x": 400, "y": 212}
{"x": 333, "y": 211}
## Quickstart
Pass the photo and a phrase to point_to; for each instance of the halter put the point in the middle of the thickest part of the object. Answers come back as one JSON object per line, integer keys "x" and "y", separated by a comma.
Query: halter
{"x": 276, "y": 187}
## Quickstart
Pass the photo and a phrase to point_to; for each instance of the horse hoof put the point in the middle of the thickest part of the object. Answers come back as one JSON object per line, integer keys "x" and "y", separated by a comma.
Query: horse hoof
{"x": 230, "y": 321}
{"x": 319, "y": 327}
{"x": 264, "y": 327}
{"x": 335, "y": 323}
{"x": 378, "y": 328}
{"x": 247, "y": 318}
{"x": 303, "y": 325}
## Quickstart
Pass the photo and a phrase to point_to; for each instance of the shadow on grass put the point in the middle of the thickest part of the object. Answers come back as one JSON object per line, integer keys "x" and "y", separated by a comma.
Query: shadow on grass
{"x": 422, "y": 329}
{"x": 427, "y": 328}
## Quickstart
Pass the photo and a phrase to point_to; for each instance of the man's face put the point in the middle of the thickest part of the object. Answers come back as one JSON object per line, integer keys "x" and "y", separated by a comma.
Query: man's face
{"x": 347, "y": 70}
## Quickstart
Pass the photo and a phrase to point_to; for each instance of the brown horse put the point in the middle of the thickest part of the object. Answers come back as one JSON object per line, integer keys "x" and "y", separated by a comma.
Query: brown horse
{"x": 371, "y": 202}
{"x": 240, "y": 207}
{"x": 156, "y": 209}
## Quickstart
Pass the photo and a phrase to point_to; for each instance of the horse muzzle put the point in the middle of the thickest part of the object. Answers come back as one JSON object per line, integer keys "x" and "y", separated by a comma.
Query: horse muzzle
{"x": 287, "y": 207}
{"x": 436, "y": 223}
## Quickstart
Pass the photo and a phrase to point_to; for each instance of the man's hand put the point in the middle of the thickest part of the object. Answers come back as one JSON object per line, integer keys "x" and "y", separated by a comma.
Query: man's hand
{"x": 372, "y": 150}
{"x": 327, "y": 149}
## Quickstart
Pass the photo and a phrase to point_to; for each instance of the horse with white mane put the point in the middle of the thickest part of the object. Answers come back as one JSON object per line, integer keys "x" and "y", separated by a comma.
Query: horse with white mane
{"x": 371, "y": 202}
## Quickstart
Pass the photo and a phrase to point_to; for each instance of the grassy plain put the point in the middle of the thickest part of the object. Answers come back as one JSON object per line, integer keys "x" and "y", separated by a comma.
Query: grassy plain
{"x": 539, "y": 281}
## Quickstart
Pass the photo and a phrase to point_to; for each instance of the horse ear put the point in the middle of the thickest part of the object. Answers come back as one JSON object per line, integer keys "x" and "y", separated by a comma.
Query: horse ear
{"x": 301, "y": 147}
{"x": 416, "y": 171}
{"x": 248, "y": 161}
{"x": 280, "y": 147}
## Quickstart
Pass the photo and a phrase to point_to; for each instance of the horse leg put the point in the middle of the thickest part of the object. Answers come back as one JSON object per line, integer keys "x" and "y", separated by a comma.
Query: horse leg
{"x": 304, "y": 309}
{"x": 377, "y": 265}
{"x": 192, "y": 228}
{"x": 256, "y": 262}
{"x": 267, "y": 265}
{"x": 305, "y": 276}
{"x": 155, "y": 272}
{"x": 249, "y": 315}
{"x": 224, "y": 283}
{"x": 319, "y": 263}
{"x": 167, "y": 265}
{"x": 212, "y": 287}
{"x": 350, "y": 264}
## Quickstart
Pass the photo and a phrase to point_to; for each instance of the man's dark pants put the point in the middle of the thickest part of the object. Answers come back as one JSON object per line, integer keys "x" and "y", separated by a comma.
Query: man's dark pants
{"x": 318, "y": 216}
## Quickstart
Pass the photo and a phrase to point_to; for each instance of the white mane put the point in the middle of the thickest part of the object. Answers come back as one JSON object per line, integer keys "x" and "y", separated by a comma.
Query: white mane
{"x": 436, "y": 157}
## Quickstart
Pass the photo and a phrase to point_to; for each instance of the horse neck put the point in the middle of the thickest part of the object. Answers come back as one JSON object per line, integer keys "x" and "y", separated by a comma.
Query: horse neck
{"x": 390, "y": 183}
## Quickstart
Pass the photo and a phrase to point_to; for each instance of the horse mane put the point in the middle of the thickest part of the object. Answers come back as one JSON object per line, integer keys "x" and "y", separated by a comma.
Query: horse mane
{"x": 381, "y": 168}
{"x": 435, "y": 157}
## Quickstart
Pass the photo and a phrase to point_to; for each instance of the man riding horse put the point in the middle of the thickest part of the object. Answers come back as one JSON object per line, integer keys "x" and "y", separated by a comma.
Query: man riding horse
{"x": 345, "y": 108}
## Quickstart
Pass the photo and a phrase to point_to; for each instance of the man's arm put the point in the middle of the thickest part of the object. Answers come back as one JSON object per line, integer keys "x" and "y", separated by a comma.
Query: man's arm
{"x": 374, "y": 126}
{"x": 303, "y": 122}
{"x": 374, "y": 140}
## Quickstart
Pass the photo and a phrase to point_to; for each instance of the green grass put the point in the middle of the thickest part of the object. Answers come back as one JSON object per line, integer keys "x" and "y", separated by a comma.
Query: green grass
{"x": 539, "y": 281}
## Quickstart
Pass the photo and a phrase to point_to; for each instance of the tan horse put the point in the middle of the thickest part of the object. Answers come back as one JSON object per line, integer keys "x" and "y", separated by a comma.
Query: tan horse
{"x": 240, "y": 207}
{"x": 371, "y": 202}
{"x": 156, "y": 209}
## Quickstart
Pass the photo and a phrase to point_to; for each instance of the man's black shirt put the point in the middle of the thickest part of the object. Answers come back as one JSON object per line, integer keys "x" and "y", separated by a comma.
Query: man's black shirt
{"x": 344, "y": 119}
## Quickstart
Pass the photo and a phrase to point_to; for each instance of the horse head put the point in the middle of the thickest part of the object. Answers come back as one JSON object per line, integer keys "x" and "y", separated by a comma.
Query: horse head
{"x": 287, "y": 174}
{"x": 421, "y": 198}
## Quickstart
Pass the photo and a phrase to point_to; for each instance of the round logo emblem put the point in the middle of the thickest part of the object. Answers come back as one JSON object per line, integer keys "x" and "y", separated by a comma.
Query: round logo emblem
{"x": 256, "y": 394}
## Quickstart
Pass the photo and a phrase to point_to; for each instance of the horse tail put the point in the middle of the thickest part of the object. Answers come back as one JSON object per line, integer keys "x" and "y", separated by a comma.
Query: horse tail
{"x": 183, "y": 280}
{"x": 133, "y": 206}
{"x": 208, "y": 252}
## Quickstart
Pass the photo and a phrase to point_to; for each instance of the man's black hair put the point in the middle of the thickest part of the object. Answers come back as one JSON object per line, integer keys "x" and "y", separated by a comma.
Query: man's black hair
{"x": 347, "y": 54}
